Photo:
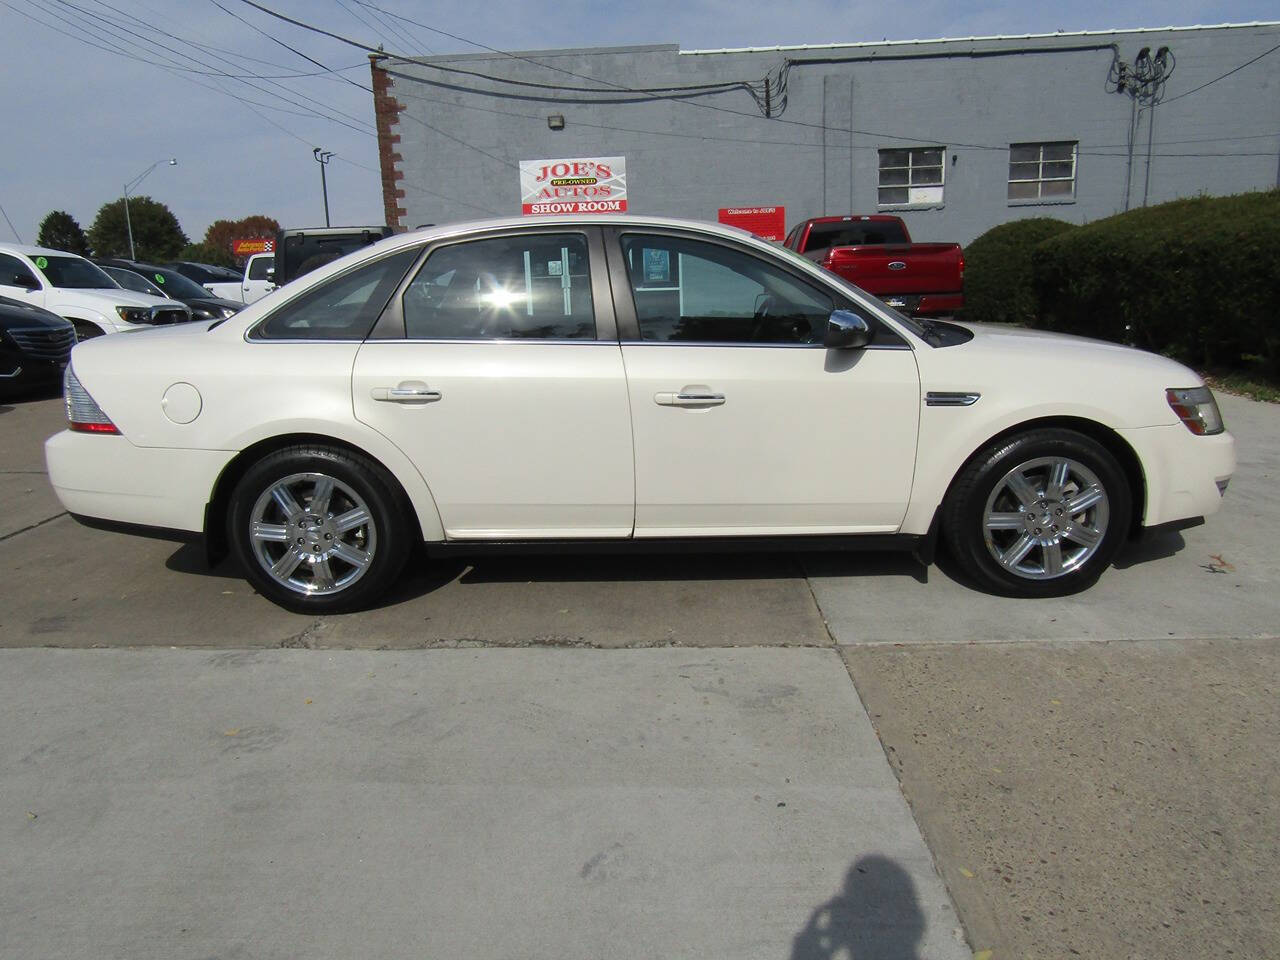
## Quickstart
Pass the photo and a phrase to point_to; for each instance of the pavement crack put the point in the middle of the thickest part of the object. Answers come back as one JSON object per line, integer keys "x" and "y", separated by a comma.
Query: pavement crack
{"x": 33, "y": 526}
{"x": 304, "y": 639}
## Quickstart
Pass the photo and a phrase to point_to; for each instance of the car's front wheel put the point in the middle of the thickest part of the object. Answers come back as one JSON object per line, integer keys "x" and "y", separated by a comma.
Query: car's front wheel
{"x": 318, "y": 530}
{"x": 1038, "y": 514}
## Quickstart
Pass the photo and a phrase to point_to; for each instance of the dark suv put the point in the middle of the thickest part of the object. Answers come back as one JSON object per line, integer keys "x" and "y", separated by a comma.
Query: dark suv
{"x": 34, "y": 347}
{"x": 169, "y": 282}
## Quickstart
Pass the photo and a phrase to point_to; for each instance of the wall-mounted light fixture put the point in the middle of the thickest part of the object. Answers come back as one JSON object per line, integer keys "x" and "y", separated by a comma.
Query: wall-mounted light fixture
{"x": 556, "y": 121}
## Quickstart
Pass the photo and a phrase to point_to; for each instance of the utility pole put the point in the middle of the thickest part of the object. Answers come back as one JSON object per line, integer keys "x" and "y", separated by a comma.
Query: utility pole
{"x": 128, "y": 224}
{"x": 322, "y": 157}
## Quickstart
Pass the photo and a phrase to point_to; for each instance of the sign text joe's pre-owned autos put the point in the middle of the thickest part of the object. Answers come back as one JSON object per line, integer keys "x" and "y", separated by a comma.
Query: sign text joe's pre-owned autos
{"x": 619, "y": 383}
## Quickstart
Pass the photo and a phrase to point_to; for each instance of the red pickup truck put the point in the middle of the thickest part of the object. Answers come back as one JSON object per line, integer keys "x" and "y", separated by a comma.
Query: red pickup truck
{"x": 876, "y": 253}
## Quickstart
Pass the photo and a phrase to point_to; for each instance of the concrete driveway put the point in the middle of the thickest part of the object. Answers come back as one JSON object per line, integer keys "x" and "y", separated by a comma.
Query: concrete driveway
{"x": 581, "y": 801}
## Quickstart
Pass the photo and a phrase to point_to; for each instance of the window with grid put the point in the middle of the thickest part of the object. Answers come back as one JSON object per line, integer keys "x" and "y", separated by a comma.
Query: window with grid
{"x": 911, "y": 176}
{"x": 1042, "y": 171}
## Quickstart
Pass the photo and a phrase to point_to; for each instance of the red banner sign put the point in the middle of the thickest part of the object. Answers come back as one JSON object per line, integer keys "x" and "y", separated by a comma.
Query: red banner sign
{"x": 243, "y": 248}
{"x": 767, "y": 223}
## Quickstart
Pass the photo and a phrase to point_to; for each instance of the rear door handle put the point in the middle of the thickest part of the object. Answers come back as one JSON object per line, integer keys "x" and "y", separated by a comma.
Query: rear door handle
{"x": 408, "y": 392}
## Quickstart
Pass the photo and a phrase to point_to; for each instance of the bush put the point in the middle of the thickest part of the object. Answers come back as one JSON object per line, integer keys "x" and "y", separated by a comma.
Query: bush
{"x": 1196, "y": 279}
{"x": 997, "y": 270}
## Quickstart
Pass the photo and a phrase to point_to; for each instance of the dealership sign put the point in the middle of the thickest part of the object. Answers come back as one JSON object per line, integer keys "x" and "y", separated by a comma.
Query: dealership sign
{"x": 243, "y": 248}
{"x": 767, "y": 223}
{"x": 575, "y": 185}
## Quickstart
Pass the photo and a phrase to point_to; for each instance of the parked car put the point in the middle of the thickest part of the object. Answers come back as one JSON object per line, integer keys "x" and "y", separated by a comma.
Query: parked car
{"x": 257, "y": 282}
{"x": 625, "y": 383}
{"x": 72, "y": 287}
{"x": 34, "y": 347}
{"x": 166, "y": 282}
{"x": 876, "y": 253}
{"x": 203, "y": 273}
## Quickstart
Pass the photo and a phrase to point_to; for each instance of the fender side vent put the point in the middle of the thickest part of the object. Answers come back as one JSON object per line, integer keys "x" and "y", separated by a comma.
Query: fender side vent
{"x": 940, "y": 399}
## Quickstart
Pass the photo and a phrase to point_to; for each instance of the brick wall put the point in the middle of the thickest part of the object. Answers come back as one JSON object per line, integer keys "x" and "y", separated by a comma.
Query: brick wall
{"x": 386, "y": 112}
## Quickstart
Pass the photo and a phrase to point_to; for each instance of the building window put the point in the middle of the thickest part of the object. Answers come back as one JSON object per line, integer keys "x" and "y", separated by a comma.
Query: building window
{"x": 911, "y": 177}
{"x": 1042, "y": 171}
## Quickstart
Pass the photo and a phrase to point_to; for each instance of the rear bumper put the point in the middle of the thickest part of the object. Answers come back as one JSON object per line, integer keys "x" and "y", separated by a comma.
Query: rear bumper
{"x": 108, "y": 478}
{"x": 1185, "y": 475}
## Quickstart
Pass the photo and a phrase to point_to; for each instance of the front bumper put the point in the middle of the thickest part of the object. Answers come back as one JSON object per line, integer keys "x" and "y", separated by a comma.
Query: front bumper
{"x": 1185, "y": 475}
{"x": 108, "y": 478}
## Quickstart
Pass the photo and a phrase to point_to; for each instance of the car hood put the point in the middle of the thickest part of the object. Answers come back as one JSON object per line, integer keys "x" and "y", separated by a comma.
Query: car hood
{"x": 213, "y": 303}
{"x": 118, "y": 297}
{"x": 15, "y": 313}
{"x": 1063, "y": 348}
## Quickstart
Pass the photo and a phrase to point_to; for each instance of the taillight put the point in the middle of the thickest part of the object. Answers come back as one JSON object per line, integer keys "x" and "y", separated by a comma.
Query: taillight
{"x": 961, "y": 266}
{"x": 1196, "y": 408}
{"x": 83, "y": 413}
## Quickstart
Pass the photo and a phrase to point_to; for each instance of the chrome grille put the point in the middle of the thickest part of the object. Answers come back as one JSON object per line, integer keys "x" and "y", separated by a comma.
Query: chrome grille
{"x": 45, "y": 343}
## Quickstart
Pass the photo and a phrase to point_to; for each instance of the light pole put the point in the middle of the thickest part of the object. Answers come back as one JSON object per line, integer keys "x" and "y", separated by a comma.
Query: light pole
{"x": 128, "y": 224}
{"x": 322, "y": 157}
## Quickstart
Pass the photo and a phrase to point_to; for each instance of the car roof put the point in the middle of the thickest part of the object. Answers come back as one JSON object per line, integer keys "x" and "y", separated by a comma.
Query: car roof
{"x": 443, "y": 230}
{"x": 27, "y": 251}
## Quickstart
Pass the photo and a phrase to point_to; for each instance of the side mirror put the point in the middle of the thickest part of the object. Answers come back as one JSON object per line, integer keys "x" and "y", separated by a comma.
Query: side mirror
{"x": 846, "y": 331}
{"x": 26, "y": 281}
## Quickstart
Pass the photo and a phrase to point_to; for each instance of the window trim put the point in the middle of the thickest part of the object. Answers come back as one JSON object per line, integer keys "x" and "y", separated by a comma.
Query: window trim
{"x": 908, "y": 204}
{"x": 391, "y": 323}
{"x": 1042, "y": 200}
{"x": 629, "y": 325}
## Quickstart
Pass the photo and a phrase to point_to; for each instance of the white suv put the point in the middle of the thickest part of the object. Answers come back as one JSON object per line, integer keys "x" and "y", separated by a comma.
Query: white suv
{"x": 74, "y": 288}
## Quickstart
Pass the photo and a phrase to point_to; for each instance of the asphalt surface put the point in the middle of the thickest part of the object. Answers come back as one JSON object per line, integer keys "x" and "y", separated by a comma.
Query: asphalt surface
{"x": 1079, "y": 791}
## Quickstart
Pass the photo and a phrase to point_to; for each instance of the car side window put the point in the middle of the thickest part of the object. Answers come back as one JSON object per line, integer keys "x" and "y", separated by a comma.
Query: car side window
{"x": 15, "y": 273}
{"x": 340, "y": 308}
{"x": 533, "y": 286}
{"x": 706, "y": 293}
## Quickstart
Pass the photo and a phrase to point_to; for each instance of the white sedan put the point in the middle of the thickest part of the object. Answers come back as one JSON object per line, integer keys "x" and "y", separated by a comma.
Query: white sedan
{"x": 624, "y": 383}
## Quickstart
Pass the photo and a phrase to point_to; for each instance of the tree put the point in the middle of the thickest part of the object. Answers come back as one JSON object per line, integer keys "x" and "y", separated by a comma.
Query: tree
{"x": 223, "y": 234}
{"x": 156, "y": 233}
{"x": 207, "y": 253}
{"x": 60, "y": 231}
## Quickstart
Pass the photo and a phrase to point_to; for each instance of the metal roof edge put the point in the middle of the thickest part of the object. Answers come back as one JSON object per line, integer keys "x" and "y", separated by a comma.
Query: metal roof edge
{"x": 531, "y": 54}
{"x": 1019, "y": 36}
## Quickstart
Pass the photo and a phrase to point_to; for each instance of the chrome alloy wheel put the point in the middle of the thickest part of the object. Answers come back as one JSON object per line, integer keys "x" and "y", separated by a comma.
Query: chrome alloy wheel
{"x": 1046, "y": 517}
{"x": 312, "y": 534}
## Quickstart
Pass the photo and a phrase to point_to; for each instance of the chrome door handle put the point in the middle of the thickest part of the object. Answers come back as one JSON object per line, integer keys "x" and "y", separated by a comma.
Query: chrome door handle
{"x": 406, "y": 394}
{"x": 689, "y": 398}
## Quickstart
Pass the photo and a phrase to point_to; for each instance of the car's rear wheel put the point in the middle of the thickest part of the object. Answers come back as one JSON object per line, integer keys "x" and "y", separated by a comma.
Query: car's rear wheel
{"x": 318, "y": 530}
{"x": 86, "y": 330}
{"x": 1039, "y": 514}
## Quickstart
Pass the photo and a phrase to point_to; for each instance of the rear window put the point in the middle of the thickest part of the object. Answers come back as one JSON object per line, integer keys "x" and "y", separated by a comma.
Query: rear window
{"x": 823, "y": 236}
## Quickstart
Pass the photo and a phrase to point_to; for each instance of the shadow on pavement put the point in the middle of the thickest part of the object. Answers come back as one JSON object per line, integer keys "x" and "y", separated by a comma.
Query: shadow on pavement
{"x": 1155, "y": 546}
{"x": 875, "y": 917}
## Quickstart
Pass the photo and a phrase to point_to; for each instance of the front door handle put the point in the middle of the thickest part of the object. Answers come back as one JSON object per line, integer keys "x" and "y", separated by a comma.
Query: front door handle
{"x": 691, "y": 396}
{"x": 412, "y": 391}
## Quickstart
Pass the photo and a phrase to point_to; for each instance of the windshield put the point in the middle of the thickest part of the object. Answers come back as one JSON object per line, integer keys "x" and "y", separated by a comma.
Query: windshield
{"x": 131, "y": 281}
{"x": 174, "y": 284}
{"x": 73, "y": 273}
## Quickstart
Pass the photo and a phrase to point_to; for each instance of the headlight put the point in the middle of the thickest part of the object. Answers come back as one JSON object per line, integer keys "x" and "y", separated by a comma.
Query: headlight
{"x": 134, "y": 314}
{"x": 1196, "y": 408}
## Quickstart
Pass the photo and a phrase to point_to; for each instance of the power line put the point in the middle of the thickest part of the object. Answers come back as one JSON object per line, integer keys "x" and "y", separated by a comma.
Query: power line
{"x": 1224, "y": 76}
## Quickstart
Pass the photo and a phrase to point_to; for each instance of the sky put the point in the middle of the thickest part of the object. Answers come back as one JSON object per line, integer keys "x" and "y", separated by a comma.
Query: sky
{"x": 83, "y": 113}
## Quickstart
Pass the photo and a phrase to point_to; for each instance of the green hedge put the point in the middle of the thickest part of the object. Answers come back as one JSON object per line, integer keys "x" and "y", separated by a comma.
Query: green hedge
{"x": 997, "y": 270}
{"x": 1196, "y": 279}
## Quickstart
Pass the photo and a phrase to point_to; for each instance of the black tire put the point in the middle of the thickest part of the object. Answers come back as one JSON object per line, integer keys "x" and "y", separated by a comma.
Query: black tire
{"x": 385, "y": 539}
{"x": 989, "y": 514}
{"x": 86, "y": 330}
